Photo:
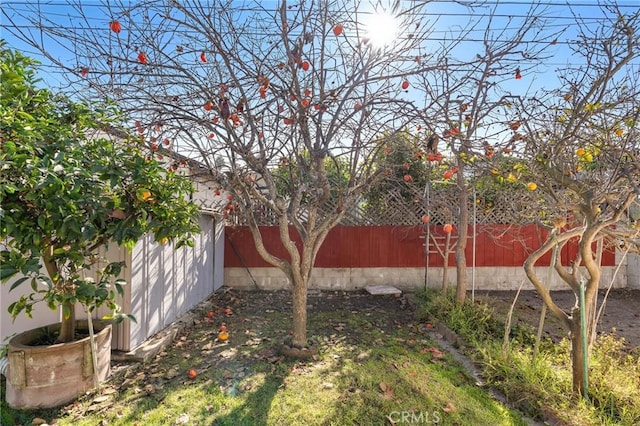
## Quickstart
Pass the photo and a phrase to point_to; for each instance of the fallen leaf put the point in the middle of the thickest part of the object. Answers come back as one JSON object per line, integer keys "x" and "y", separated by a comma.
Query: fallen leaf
{"x": 435, "y": 352}
{"x": 100, "y": 399}
{"x": 182, "y": 419}
{"x": 387, "y": 391}
{"x": 108, "y": 391}
{"x": 449, "y": 408}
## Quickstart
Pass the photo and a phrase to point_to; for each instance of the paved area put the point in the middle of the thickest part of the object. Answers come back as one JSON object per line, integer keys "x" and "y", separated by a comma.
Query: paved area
{"x": 621, "y": 313}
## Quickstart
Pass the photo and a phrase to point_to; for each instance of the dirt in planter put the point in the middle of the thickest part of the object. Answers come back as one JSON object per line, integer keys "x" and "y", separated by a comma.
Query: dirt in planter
{"x": 48, "y": 338}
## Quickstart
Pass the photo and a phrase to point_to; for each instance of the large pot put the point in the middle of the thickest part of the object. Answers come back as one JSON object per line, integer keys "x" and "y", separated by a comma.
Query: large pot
{"x": 49, "y": 376}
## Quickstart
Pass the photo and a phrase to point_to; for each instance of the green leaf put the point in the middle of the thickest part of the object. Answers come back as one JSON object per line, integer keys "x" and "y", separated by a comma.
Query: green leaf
{"x": 18, "y": 282}
{"x": 7, "y": 272}
{"x": 66, "y": 311}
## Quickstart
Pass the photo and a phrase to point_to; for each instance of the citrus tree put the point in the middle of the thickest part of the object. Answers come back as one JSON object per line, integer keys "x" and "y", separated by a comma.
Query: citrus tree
{"x": 581, "y": 151}
{"x": 403, "y": 164}
{"x": 67, "y": 189}
{"x": 313, "y": 83}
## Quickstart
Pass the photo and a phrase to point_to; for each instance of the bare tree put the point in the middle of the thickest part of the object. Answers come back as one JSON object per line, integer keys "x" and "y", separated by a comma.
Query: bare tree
{"x": 466, "y": 101}
{"x": 581, "y": 148}
{"x": 245, "y": 88}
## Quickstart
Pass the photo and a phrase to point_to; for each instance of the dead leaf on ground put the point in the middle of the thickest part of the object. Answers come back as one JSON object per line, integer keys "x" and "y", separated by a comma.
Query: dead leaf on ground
{"x": 182, "y": 419}
{"x": 435, "y": 352}
{"x": 109, "y": 391}
{"x": 387, "y": 390}
{"x": 449, "y": 408}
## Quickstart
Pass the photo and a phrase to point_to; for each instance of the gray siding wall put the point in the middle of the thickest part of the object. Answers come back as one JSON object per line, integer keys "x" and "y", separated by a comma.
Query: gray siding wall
{"x": 163, "y": 283}
{"x": 166, "y": 283}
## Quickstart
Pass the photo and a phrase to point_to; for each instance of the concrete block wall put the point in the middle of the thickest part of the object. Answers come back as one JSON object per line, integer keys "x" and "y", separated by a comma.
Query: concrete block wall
{"x": 408, "y": 279}
{"x": 633, "y": 271}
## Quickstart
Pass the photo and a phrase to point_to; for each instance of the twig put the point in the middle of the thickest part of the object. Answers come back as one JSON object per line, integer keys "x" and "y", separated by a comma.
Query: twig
{"x": 507, "y": 325}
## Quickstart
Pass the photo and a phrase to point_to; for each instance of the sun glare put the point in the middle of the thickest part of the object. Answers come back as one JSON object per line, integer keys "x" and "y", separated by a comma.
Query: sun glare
{"x": 381, "y": 29}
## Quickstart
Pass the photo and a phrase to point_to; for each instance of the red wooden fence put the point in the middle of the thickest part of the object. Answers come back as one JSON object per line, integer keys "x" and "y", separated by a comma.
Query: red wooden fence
{"x": 400, "y": 246}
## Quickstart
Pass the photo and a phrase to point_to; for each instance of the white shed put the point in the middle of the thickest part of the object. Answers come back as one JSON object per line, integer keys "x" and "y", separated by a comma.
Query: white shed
{"x": 163, "y": 284}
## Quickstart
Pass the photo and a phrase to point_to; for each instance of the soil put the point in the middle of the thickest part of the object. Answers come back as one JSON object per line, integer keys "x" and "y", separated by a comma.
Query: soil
{"x": 51, "y": 338}
{"x": 390, "y": 309}
{"x": 621, "y": 314}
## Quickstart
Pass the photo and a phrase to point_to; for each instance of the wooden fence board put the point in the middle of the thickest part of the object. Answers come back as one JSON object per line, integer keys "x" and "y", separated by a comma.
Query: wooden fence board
{"x": 400, "y": 246}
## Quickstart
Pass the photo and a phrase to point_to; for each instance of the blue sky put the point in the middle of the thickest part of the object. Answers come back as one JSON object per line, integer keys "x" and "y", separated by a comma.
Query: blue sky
{"x": 445, "y": 16}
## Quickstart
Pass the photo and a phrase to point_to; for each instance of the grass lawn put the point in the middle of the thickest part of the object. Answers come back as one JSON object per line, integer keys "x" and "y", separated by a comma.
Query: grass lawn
{"x": 376, "y": 366}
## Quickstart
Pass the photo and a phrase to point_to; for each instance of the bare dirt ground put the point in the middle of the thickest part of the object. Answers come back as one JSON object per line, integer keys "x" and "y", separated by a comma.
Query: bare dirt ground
{"x": 621, "y": 314}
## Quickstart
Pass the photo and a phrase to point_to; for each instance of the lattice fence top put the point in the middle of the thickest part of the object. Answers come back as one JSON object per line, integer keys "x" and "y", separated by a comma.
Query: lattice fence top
{"x": 440, "y": 204}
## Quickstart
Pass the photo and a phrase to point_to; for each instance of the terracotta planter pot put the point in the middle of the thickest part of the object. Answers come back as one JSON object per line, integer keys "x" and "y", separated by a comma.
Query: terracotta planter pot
{"x": 49, "y": 376}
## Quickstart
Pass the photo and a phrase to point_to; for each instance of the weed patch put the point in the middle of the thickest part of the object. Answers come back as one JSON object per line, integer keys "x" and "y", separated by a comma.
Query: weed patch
{"x": 541, "y": 387}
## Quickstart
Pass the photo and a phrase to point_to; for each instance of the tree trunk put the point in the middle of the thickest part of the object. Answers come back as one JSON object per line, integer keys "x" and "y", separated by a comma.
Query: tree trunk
{"x": 445, "y": 266}
{"x": 461, "y": 245}
{"x": 68, "y": 326}
{"x": 299, "y": 291}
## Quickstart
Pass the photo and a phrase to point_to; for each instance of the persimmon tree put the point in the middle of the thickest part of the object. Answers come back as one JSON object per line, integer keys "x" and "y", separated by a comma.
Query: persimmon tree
{"x": 68, "y": 188}
{"x": 581, "y": 148}
{"x": 253, "y": 85}
{"x": 466, "y": 109}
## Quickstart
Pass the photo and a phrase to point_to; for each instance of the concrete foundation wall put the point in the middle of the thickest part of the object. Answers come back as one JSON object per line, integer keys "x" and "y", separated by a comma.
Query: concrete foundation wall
{"x": 633, "y": 271}
{"x": 486, "y": 278}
